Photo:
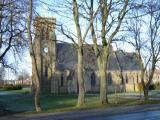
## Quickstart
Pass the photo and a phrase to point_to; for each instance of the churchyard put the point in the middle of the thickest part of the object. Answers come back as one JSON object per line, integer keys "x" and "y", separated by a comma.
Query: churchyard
{"x": 21, "y": 101}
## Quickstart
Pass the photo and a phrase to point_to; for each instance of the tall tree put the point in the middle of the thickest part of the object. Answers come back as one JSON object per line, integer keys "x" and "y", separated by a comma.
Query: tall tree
{"x": 78, "y": 38}
{"x": 110, "y": 26}
{"x": 80, "y": 55}
{"x": 147, "y": 47}
{"x": 36, "y": 77}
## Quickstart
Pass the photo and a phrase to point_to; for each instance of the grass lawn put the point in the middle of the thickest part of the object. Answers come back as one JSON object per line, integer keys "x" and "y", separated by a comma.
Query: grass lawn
{"x": 23, "y": 102}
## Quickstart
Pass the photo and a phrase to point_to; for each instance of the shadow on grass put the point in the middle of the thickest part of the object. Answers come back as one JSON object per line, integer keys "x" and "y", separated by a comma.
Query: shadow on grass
{"x": 24, "y": 103}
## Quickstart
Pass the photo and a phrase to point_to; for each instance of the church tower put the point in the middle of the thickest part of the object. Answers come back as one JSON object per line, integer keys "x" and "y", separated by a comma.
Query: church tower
{"x": 45, "y": 51}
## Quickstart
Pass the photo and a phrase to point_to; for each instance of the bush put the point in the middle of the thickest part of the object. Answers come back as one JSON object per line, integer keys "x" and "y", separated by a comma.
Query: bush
{"x": 157, "y": 86}
{"x": 12, "y": 87}
{"x": 152, "y": 87}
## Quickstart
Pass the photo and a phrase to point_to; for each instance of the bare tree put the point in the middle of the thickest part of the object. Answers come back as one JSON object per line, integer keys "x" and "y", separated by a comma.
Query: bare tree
{"x": 12, "y": 28}
{"x": 80, "y": 56}
{"x": 110, "y": 26}
{"x": 147, "y": 47}
{"x": 154, "y": 36}
{"x": 76, "y": 7}
{"x": 81, "y": 40}
{"x": 36, "y": 77}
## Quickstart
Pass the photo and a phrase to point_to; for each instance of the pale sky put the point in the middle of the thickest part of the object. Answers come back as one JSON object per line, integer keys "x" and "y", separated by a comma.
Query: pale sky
{"x": 43, "y": 11}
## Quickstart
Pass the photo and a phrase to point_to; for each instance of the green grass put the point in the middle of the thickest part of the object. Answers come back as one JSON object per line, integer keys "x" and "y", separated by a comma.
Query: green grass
{"x": 1, "y": 89}
{"x": 23, "y": 91}
{"x": 23, "y": 102}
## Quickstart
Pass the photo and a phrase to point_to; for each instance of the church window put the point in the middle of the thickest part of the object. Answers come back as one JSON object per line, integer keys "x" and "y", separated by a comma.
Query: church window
{"x": 62, "y": 81}
{"x": 93, "y": 79}
{"x": 122, "y": 81}
{"x": 126, "y": 79}
{"x": 109, "y": 77}
{"x": 46, "y": 71}
{"x": 133, "y": 80}
{"x": 137, "y": 78}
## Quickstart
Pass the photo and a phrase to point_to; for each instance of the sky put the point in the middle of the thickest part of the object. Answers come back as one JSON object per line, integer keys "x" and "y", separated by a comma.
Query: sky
{"x": 43, "y": 11}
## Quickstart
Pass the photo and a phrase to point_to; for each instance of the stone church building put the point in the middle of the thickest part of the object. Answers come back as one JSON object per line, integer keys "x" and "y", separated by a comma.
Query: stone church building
{"x": 57, "y": 64}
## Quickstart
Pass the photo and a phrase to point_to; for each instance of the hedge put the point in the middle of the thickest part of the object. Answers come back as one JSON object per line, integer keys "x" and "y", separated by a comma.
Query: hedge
{"x": 12, "y": 87}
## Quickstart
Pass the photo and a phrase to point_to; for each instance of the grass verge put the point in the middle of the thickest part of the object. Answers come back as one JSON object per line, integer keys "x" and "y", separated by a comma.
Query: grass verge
{"x": 23, "y": 102}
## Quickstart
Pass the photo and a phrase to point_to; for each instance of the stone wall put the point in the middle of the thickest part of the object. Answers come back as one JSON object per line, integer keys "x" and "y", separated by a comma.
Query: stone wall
{"x": 45, "y": 51}
{"x": 115, "y": 83}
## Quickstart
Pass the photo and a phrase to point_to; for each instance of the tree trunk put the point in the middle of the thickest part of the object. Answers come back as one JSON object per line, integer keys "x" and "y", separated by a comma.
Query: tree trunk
{"x": 102, "y": 69}
{"x": 145, "y": 91}
{"x": 36, "y": 84}
{"x": 37, "y": 98}
{"x": 145, "y": 94}
{"x": 101, "y": 62}
{"x": 146, "y": 97}
{"x": 103, "y": 84}
{"x": 34, "y": 65}
{"x": 37, "y": 95}
{"x": 81, "y": 96}
{"x": 36, "y": 88}
{"x": 103, "y": 76}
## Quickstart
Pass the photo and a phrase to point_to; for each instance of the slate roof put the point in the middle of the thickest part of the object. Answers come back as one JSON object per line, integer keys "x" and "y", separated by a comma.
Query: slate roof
{"x": 127, "y": 61}
{"x": 67, "y": 58}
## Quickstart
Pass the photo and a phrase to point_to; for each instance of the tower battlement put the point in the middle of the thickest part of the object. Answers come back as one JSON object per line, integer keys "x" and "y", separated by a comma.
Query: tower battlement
{"x": 41, "y": 22}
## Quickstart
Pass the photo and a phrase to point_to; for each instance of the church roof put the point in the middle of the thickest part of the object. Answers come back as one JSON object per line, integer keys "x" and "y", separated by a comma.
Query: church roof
{"x": 67, "y": 58}
{"x": 123, "y": 60}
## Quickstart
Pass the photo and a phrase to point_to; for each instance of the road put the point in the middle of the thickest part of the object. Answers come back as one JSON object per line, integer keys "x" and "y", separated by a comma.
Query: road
{"x": 136, "y": 112}
{"x": 147, "y": 115}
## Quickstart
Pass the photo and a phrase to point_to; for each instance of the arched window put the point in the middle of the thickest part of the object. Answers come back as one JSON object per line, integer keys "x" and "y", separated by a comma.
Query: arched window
{"x": 126, "y": 79}
{"x": 109, "y": 78}
{"x": 122, "y": 80}
{"x": 62, "y": 80}
{"x": 93, "y": 79}
{"x": 137, "y": 78}
{"x": 46, "y": 71}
